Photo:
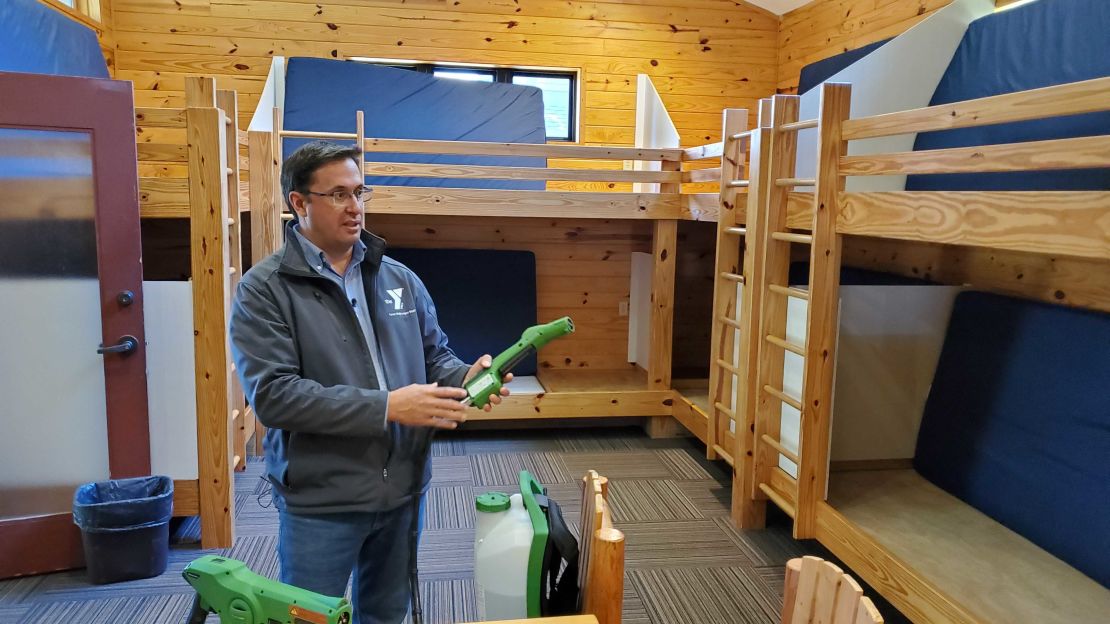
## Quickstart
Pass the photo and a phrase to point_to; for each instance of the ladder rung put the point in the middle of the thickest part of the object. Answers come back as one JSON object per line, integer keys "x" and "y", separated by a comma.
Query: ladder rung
{"x": 236, "y": 460}
{"x": 776, "y": 499}
{"x": 729, "y": 367}
{"x": 234, "y": 414}
{"x": 740, "y": 135}
{"x": 795, "y": 182}
{"x": 797, "y": 293}
{"x": 798, "y": 125}
{"x": 229, "y": 170}
{"x": 778, "y": 394}
{"x": 232, "y": 270}
{"x": 733, "y": 277}
{"x": 730, "y": 322}
{"x": 790, "y": 237}
{"x": 739, "y": 231}
{"x": 789, "y": 346}
{"x": 725, "y": 455}
{"x": 721, "y": 408}
{"x": 230, "y": 221}
{"x": 775, "y": 444}
{"x": 738, "y": 184}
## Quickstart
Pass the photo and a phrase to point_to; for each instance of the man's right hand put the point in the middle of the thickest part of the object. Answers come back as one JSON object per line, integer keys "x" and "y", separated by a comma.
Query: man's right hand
{"x": 427, "y": 405}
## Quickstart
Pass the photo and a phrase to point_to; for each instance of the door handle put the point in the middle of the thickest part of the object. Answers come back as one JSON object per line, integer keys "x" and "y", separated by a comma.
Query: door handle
{"x": 126, "y": 344}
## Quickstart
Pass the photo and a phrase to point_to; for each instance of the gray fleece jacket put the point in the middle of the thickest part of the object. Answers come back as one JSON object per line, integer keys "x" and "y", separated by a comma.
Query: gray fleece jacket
{"x": 305, "y": 368}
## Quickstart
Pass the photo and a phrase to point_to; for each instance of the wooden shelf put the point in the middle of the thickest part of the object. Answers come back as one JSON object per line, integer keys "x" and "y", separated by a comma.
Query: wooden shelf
{"x": 585, "y": 393}
{"x": 945, "y": 551}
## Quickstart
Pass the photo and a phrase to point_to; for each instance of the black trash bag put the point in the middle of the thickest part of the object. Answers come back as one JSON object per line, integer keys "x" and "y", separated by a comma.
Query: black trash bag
{"x": 124, "y": 527}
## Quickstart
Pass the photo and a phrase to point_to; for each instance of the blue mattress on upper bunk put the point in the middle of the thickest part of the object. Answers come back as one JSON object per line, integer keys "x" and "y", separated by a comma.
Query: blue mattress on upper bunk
{"x": 1017, "y": 423}
{"x": 324, "y": 94}
{"x": 1038, "y": 45}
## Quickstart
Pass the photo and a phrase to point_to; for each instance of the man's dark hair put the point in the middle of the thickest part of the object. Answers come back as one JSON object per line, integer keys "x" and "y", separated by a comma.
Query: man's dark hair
{"x": 297, "y": 170}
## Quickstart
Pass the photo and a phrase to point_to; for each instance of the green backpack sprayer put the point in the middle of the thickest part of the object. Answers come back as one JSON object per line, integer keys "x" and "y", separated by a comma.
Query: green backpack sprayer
{"x": 478, "y": 391}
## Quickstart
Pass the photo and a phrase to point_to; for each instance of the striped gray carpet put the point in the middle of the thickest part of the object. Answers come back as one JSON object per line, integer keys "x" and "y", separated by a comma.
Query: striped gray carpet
{"x": 685, "y": 561}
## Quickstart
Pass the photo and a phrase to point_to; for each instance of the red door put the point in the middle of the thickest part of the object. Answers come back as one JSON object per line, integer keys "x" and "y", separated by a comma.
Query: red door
{"x": 73, "y": 399}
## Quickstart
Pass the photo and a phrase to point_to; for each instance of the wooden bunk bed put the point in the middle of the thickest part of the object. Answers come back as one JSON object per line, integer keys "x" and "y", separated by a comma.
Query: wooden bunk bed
{"x": 933, "y": 556}
{"x": 189, "y": 169}
{"x": 582, "y": 241}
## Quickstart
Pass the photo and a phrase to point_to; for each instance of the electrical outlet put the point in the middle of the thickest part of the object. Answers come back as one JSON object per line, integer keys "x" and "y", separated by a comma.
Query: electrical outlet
{"x": 622, "y": 308}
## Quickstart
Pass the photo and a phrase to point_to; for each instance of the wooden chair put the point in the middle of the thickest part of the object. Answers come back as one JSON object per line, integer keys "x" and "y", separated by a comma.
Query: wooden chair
{"x": 600, "y": 554}
{"x": 819, "y": 592}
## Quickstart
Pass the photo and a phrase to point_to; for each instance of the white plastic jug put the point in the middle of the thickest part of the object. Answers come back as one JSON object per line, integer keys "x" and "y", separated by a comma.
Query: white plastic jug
{"x": 502, "y": 542}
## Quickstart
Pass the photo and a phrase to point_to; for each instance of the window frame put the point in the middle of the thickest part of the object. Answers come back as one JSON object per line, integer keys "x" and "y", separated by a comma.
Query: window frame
{"x": 502, "y": 74}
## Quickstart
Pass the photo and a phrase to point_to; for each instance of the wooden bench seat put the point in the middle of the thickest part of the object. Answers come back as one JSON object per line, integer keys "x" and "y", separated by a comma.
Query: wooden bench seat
{"x": 994, "y": 573}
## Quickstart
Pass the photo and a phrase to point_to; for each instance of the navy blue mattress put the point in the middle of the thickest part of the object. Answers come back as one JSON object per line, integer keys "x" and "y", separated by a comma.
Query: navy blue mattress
{"x": 404, "y": 104}
{"x": 484, "y": 298}
{"x": 1018, "y": 423}
{"x": 40, "y": 40}
{"x": 1038, "y": 45}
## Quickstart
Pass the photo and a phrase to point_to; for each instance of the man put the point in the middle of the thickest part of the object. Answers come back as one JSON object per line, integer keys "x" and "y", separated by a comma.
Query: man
{"x": 342, "y": 357}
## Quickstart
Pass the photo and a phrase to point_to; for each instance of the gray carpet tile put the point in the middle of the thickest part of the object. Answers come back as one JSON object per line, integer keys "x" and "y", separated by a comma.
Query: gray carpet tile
{"x": 618, "y": 464}
{"x": 641, "y": 500}
{"x": 711, "y": 499}
{"x": 17, "y": 590}
{"x": 594, "y": 440}
{"x": 114, "y": 610}
{"x": 769, "y": 547}
{"x": 451, "y": 469}
{"x": 685, "y": 562}
{"x": 699, "y": 595}
{"x": 678, "y": 544}
{"x": 446, "y": 554}
{"x": 504, "y": 468}
{"x": 449, "y": 507}
{"x": 633, "y": 610}
{"x": 448, "y": 602}
{"x": 683, "y": 463}
{"x": 485, "y": 442}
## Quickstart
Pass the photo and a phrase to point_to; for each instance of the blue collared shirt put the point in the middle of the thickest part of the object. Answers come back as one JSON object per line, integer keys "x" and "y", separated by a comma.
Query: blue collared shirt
{"x": 351, "y": 283}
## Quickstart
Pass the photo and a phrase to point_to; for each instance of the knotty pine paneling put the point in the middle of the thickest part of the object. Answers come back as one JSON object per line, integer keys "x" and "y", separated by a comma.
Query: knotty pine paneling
{"x": 703, "y": 55}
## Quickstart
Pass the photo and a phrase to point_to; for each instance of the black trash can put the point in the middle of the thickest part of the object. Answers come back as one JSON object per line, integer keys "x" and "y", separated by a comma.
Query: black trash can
{"x": 124, "y": 527}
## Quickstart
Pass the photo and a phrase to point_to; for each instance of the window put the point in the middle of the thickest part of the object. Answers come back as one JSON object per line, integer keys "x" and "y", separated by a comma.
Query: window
{"x": 558, "y": 88}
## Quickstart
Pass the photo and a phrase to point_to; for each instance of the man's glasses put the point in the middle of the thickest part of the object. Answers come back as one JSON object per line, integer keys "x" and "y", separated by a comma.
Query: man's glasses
{"x": 340, "y": 198}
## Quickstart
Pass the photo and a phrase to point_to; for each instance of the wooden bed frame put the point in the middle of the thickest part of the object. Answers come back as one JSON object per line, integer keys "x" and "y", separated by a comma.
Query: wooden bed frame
{"x": 189, "y": 169}
{"x": 550, "y": 223}
{"x": 933, "y": 556}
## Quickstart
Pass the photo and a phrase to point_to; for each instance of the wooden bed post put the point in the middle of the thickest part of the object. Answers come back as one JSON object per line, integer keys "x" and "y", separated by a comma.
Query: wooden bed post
{"x": 208, "y": 234}
{"x": 227, "y": 102}
{"x": 726, "y": 269}
{"x": 823, "y": 322}
{"x": 266, "y": 204}
{"x": 664, "y": 251}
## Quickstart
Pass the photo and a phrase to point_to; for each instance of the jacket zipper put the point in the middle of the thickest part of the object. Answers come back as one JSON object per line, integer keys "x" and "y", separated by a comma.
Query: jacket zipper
{"x": 366, "y": 350}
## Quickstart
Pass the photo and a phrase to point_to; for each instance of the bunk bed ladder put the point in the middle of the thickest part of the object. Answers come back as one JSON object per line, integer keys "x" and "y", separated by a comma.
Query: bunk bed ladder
{"x": 786, "y": 214}
{"x": 239, "y": 415}
{"x": 723, "y": 366}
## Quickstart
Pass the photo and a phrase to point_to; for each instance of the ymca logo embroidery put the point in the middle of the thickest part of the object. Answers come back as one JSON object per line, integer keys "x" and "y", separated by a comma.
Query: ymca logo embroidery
{"x": 395, "y": 294}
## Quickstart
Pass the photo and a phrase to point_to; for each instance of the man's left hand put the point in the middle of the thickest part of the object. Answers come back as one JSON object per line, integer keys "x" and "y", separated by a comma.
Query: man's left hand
{"x": 483, "y": 363}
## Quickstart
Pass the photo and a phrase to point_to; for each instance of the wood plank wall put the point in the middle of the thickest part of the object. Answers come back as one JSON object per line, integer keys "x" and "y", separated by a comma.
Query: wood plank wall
{"x": 704, "y": 55}
{"x": 582, "y": 270}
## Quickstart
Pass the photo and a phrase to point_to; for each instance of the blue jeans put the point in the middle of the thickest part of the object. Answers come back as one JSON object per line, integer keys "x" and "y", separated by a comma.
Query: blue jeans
{"x": 318, "y": 552}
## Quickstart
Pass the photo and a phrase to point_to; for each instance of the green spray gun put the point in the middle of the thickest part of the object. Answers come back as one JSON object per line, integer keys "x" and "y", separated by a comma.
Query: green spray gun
{"x": 488, "y": 382}
{"x": 229, "y": 588}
